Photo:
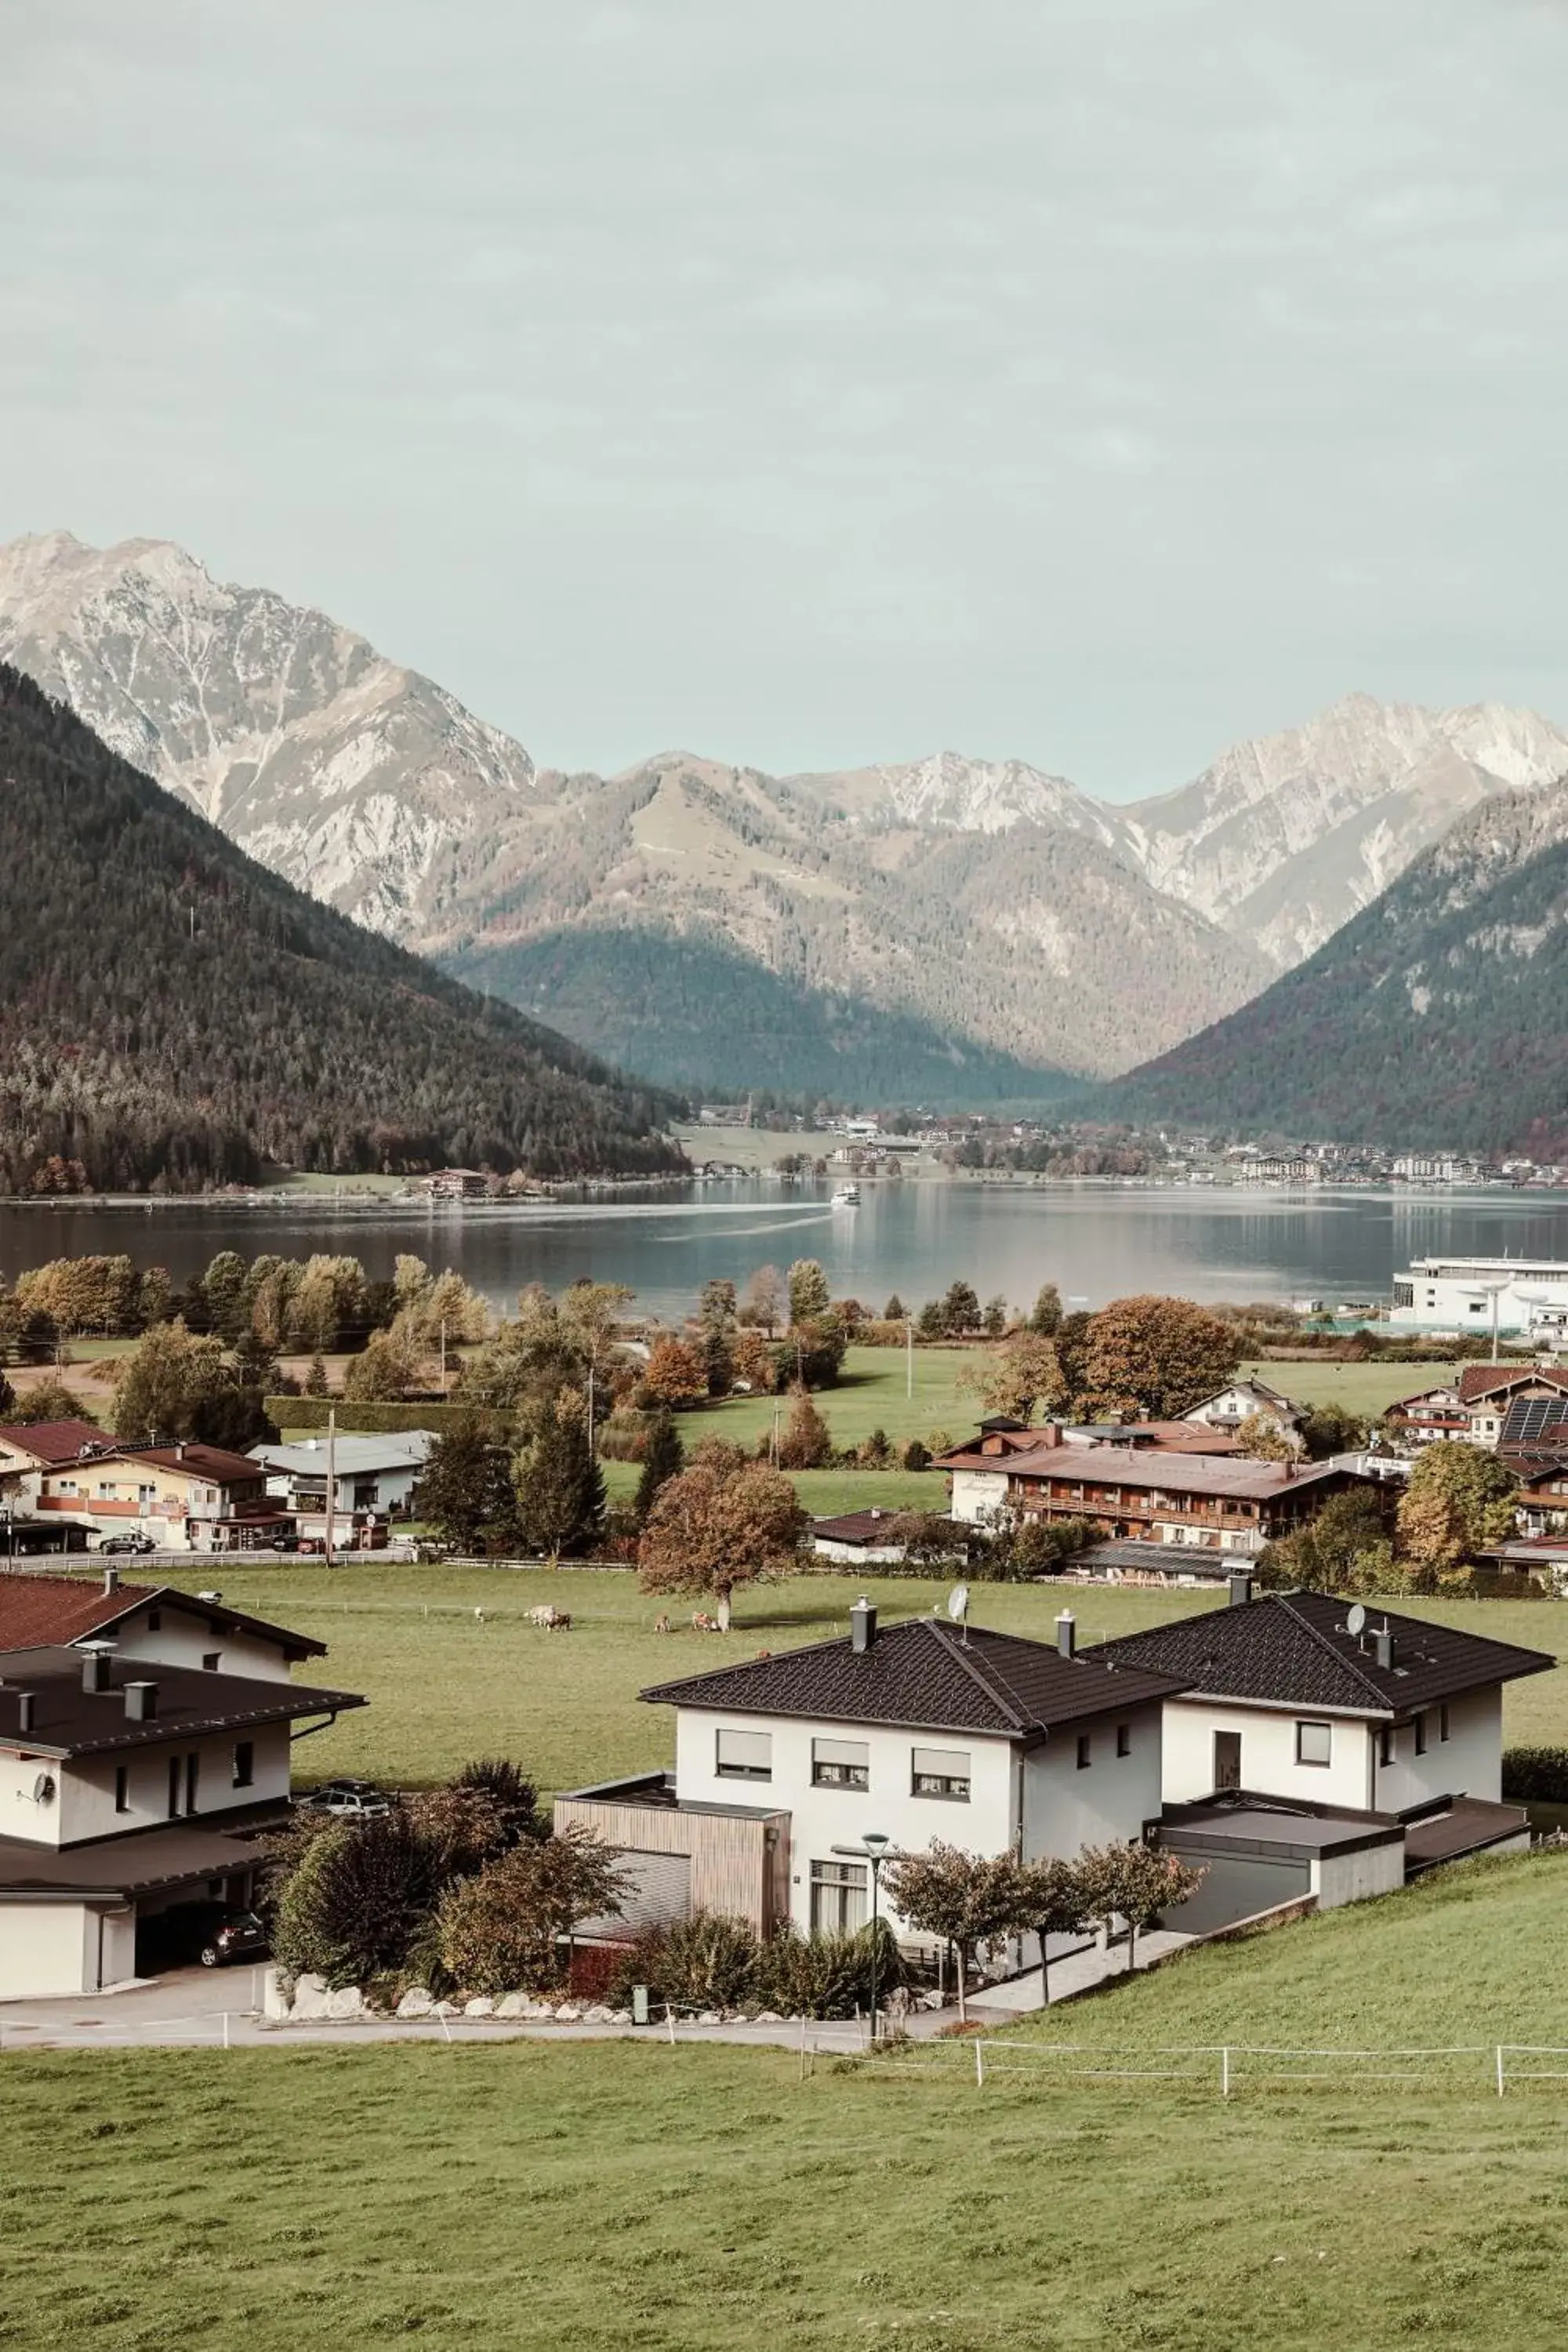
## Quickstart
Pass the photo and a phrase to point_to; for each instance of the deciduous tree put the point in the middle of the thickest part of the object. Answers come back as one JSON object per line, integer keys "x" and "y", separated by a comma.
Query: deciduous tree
{"x": 502, "y": 1931}
{"x": 964, "y": 1899}
{"x": 1139, "y": 1882}
{"x": 1155, "y": 1357}
{"x": 806, "y": 1442}
{"x": 675, "y": 1374}
{"x": 1050, "y": 1901}
{"x": 1023, "y": 1376}
{"x": 809, "y": 1296}
{"x": 1459, "y": 1501}
{"x": 763, "y": 1301}
{"x": 722, "y": 1523}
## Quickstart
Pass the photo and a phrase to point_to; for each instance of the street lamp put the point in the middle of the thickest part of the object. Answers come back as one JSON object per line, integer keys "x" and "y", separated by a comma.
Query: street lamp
{"x": 872, "y": 1848}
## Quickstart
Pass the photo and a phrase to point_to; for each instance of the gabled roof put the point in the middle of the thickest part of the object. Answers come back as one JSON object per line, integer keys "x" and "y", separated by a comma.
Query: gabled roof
{"x": 924, "y": 1675}
{"x": 1536, "y": 1422}
{"x": 1293, "y": 1649}
{"x": 48, "y": 1611}
{"x": 215, "y": 1464}
{"x": 71, "y": 1721}
{"x": 1478, "y": 1381}
{"x": 54, "y": 1444}
{"x": 868, "y": 1526}
{"x": 1260, "y": 1389}
{"x": 1178, "y": 1474}
{"x": 405, "y": 1449}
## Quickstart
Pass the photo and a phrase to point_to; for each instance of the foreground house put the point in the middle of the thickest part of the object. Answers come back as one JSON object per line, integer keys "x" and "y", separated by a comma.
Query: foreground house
{"x": 923, "y": 1730}
{"x": 126, "y": 1788}
{"x": 1142, "y": 1494}
{"x": 1300, "y": 1696}
{"x": 146, "y": 1621}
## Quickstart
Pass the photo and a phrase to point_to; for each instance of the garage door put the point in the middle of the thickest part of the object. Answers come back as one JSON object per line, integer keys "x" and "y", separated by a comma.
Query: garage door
{"x": 661, "y": 1891}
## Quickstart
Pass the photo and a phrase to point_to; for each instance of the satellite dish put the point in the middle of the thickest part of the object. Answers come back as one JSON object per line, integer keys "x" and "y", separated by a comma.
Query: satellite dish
{"x": 44, "y": 1789}
{"x": 1355, "y": 1618}
{"x": 958, "y": 1604}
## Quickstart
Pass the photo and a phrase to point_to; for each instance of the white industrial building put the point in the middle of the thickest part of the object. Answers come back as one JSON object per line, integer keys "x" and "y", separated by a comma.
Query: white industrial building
{"x": 1517, "y": 1298}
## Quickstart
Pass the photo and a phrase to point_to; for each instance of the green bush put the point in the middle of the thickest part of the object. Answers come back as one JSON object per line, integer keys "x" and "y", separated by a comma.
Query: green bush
{"x": 302, "y": 1413}
{"x": 1535, "y": 1775}
{"x": 826, "y": 1976}
{"x": 358, "y": 1897}
{"x": 710, "y": 1962}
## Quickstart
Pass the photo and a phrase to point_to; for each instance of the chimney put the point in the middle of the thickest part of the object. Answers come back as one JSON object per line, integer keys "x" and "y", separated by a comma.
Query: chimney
{"x": 26, "y": 1705}
{"x": 110, "y": 1581}
{"x": 1240, "y": 1587}
{"x": 141, "y": 1702}
{"x": 862, "y": 1625}
{"x": 1383, "y": 1649}
{"x": 1051, "y": 1435}
{"x": 95, "y": 1665}
{"x": 1066, "y": 1634}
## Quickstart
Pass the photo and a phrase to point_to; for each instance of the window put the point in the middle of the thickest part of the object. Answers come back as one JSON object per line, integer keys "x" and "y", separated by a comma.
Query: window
{"x": 1386, "y": 1744}
{"x": 1443, "y": 1721}
{"x": 210, "y": 1661}
{"x": 1084, "y": 1758}
{"x": 840, "y": 1764}
{"x": 244, "y": 1763}
{"x": 837, "y": 1897}
{"x": 154, "y": 1620}
{"x": 744, "y": 1756}
{"x": 192, "y": 1777}
{"x": 174, "y": 1788}
{"x": 1124, "y": 1739}
{"x": 1420, "y": 1735}
{"x": 122, "y": 1788}
{"x": 1314, "y": 1743}
{"x": 940, "y": 1772}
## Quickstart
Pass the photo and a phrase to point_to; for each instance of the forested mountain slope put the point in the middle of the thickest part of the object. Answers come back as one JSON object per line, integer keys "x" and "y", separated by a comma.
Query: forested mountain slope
{"x": 1440, "y": 1016}
{"x": 171, "y": 1013}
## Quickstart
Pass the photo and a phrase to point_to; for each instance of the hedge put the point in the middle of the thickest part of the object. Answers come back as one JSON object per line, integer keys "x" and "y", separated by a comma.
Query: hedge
{"x": 356, "y": 1419}
{"x": 1538, "y": 1775}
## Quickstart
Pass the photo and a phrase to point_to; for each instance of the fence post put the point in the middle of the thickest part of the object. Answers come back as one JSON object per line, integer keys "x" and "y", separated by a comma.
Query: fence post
{"x": 802, "y": 2045}
{"x": 445, "y": 2027}
{"x": 226, "y": 2028}
{"x": 1225, "y": 2073}
{"x": 669, "y": 2021}
{"x": 979, "y": 2064}
{"x": 1499, "y": 2070}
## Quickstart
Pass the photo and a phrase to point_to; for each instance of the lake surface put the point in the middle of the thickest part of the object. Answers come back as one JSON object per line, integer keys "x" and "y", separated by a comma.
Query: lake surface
{"x": 1096, "y": 1242}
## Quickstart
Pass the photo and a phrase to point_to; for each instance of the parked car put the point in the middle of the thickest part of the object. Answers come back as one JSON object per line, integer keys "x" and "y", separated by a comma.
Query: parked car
{"x": 348, "y": 1800}
{"x": 237, "y": 1936}
{"x": 137, "y": 1543}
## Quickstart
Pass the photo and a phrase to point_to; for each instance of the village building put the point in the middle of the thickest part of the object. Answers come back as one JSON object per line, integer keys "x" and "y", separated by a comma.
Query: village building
{"x": 1241, "y": 1402}
{"x": 129, "y": 1786}
{"x": 1476, "y": 1406}
{"x": 147, "y": 1621}
{"x": 1148, "y": 1495}
{"x": 1303, "y": 1696}
{"x": 860, "y": 1538}
{"x": 183, "y": 1497}
{"x": 373, "y": 1481}
{"x": 925, "y": 1729}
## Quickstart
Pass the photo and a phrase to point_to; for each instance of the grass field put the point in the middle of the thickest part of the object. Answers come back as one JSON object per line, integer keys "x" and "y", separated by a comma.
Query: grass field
{"x": 445, "y": 1684}
{"x": 1365, "y": 1389}
{"x": 708, "y": 2199}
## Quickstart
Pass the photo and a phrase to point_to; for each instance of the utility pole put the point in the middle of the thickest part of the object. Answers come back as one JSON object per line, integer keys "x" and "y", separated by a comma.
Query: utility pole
{"x": 331, "y": 1475}
{"x": 592, "y": 1448}
{"x": 908, "y": 1355}
{"x": 443, "y": 1355}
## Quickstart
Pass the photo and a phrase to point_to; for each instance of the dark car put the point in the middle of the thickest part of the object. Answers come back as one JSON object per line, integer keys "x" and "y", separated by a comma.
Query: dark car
{"x": 237, "y": 1936}
{"x": 128, "y": 1543}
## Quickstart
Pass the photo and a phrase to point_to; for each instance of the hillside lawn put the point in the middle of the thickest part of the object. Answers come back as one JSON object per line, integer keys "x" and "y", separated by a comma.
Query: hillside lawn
{"x": 446, "y": 1683}
{"x": 706, "y": 2199}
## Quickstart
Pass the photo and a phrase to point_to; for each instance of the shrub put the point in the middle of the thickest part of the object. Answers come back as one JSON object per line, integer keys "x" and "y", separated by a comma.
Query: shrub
{"x": 358, "y": 1897}
{"x": 916, "y": 1456}
{"x": 503, "y": 1930}
{"x": 826, "y": 1976}
{"x": 1535, "y": 1775}
{"x": 624, "y": 1436}
{"x": 705, "y": 1962}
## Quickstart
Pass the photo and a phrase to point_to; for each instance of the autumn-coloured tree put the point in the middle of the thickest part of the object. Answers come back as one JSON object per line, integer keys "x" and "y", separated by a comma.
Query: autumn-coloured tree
{"x": 763, "y": 1301}
{"x": 724, "y": 1521}
{"x": 1459, "y": 1501}
{"x": 1263, "y": 1439}
{"x": 753, "y": 1361}
{"x": 675, "y": 1373}
{"x": 388, "y": 1366}
{"x": 806, "y": 1442}
{"x": 1136, "y": 1882}
{"x": 1024, "y": 1374}
{"x": 963, "y": 1899}
{"x": 1156, "y": 1358}
{"x": 1051, "y": 1901}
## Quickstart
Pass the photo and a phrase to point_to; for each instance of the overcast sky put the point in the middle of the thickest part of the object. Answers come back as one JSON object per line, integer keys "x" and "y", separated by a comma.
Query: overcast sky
{"x": 1091, "y": 381}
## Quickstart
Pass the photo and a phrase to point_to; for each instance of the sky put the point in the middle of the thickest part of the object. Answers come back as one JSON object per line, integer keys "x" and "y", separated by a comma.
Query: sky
{"x": 1085, "y": 382}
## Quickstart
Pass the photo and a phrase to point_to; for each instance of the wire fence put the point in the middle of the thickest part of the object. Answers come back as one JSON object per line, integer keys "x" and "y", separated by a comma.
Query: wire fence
{"x": 1228, "y": 2069}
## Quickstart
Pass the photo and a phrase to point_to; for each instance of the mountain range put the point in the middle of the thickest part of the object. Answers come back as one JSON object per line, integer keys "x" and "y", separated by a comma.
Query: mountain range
{"x": 1437, "y": 1017}
{"x": 173, "y": 1015}
{"x": 950, "y": 929}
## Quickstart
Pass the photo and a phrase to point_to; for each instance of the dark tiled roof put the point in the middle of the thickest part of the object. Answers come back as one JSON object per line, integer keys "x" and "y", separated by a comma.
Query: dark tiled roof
{"x": 1186, "y": 1472}
{"x": 924, "y": 1674}
{"x": 41, "y": 1611}
{"x": 56, "y": 1443}
{"x": 71, "y": 1721}
{"x": 111, "y": 1869}
{"x": 871, "y": 1526}
{"x": 214, "y": 1463}
{"x": 1292, "y": 1649}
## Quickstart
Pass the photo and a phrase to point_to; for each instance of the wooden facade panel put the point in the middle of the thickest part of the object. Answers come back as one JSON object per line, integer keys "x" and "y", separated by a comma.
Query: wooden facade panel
{"x": 739, "y": 1865}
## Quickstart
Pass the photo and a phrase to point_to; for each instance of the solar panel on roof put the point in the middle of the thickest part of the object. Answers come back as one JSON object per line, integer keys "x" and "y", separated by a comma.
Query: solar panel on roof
{"x": 1531, "y": 1420}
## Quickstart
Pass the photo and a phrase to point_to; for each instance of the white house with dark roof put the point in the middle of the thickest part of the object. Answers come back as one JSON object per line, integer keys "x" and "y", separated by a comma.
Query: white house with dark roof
{"x": 921, "y": 1730}
{"x": 129, "y": 1785}
{"x": 146, "y": 1621}
{"x": 1300, "y": 1696}
{"x": 1243, "y": 1400}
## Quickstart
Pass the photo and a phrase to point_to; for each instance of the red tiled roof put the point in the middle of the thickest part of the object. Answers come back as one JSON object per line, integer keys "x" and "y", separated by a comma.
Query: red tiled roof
{"x": 209, "y": 1462}
{"x": 46, "y": 1612}
{"x": 1478, "y": 1381}
{"x": 54, "y": 1443}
